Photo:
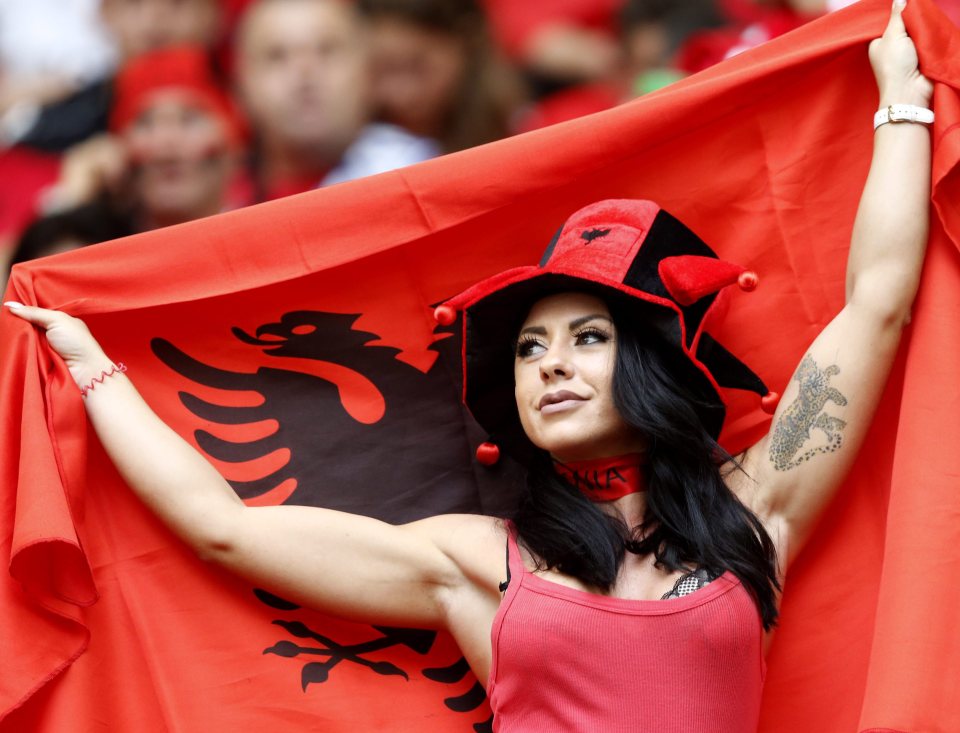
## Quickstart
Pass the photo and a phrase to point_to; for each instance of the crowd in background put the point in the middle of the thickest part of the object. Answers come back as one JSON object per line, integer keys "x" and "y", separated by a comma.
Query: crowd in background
{"x": 120, "y": 116}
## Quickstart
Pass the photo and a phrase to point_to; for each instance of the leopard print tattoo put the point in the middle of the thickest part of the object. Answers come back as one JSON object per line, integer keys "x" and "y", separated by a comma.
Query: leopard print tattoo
{"x": 793, "y": 430}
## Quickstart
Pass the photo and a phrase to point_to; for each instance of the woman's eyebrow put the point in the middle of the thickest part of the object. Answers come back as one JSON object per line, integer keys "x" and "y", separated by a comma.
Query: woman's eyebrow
{"x": 577, "y": 322}
{"x": 574, "y": 324}
{"x": 539, "y": 330}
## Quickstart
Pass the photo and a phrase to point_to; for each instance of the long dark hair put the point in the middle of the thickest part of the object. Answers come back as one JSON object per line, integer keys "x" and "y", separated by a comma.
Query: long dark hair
{"x": 692, "y": 518}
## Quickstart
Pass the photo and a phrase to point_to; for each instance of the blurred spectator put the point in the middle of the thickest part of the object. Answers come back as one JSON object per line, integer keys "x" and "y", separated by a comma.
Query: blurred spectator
{"x": 24, "y": 173}
{"x": 303, "y": 74}
{"x": 750, "y": 23}
{"x": 72, "y": 229}
{"x": 436, "y": 73}
{"x": 173, "y": 151}
{"x": 174, "y": 148}
{"x": 140, "y": 26}
{"x": 651, "y": 31}
{"x": 48, "y": 48}
{"x": 135, "y": 26}
{"x": 558, "y": 42}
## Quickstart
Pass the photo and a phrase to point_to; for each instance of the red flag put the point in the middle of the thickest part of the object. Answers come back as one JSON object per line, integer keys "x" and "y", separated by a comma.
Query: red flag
{"x": 263, "y": 336}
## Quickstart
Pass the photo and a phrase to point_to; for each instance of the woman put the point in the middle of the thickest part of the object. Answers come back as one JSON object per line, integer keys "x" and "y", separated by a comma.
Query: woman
{"x": 174, "y": 148}
{"x": 581, "y": 639}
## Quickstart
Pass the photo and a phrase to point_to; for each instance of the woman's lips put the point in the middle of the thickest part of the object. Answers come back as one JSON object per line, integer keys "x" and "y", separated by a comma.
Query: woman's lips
{"x": 559, "y": 402}
{"x": 560, "y": 406}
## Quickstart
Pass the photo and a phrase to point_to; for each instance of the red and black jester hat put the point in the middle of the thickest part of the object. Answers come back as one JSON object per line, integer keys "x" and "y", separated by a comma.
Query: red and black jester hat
{"x": 622, "y": 249}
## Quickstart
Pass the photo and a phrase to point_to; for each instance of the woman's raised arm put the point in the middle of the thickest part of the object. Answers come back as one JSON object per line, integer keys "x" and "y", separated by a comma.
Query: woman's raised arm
{"x": 826, "y": 410}
{"x": 341, "y": 563}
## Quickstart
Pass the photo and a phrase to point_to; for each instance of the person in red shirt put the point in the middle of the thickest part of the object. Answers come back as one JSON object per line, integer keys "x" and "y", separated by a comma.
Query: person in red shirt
{"x": 174, "y": 148}
{"x": 46, "y": 121}
{"x": 644, "y": 563}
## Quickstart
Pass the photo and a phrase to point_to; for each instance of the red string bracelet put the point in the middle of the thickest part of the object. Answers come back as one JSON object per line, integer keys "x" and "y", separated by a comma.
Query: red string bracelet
{"x": 114, "y": 369}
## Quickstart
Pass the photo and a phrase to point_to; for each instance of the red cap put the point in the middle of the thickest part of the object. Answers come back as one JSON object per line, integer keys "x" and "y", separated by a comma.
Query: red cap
{"x": 182, "y": 68}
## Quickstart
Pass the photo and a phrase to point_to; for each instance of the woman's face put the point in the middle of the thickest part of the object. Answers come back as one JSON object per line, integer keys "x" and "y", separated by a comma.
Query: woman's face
{"x": 564, "y": 363}
{"x": 182, "y": 157}
{"x": 417, "y": 74}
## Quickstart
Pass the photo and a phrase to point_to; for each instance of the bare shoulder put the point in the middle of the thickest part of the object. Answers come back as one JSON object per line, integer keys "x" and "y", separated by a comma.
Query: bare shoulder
{"x": 474, "y": 542}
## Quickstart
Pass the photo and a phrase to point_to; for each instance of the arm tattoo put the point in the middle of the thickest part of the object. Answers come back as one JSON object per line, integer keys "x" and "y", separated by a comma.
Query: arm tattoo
{"x": 793, "y": 429}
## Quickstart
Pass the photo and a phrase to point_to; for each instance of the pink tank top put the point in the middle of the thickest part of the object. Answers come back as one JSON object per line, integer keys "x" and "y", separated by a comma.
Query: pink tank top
{"x": 567, "y": 660}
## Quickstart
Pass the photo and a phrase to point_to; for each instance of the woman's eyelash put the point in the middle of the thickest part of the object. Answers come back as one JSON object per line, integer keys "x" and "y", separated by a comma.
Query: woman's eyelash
{"x": 592, "y": 331}
{"x": 524, "y": 344}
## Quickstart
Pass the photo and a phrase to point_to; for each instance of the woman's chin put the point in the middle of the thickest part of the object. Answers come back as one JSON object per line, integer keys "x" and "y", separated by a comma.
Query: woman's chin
{"x": 575, "y": 447}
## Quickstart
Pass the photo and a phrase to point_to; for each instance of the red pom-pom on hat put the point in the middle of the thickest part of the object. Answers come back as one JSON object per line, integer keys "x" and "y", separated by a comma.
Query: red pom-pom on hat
{"x": 488, "y": 453}
{"x": 445, "y": 315}
{"x": 748, "y": 281}
{"x": 769, "y": 402}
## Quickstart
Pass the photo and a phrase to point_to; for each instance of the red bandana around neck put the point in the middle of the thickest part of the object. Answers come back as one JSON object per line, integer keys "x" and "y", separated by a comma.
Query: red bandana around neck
{"x": 604, "y": 479}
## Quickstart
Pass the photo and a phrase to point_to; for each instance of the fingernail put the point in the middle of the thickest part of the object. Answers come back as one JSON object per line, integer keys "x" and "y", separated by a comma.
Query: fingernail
{"x": 13, "y": 304}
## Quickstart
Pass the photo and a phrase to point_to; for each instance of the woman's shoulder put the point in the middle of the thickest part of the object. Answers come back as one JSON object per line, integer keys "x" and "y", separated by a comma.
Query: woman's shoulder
{"x": 475, "y": 542}
{"x": 461, "y": 527}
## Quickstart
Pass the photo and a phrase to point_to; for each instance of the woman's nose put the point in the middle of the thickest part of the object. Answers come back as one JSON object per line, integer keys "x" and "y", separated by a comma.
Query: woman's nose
{"x": 555, "y": 365}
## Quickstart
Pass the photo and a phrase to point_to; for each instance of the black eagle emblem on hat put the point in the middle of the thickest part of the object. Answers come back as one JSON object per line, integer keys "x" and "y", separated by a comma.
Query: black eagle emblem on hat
{"x": 592, "y": 234}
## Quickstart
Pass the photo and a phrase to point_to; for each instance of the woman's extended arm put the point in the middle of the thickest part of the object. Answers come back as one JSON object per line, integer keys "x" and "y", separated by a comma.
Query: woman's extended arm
{"x": 827, "y": 408}
{"x": 341, "y": 563}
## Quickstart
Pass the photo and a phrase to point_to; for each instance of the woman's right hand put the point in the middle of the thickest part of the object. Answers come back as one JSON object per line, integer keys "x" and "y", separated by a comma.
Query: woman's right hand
{"x": 69, "y": 337}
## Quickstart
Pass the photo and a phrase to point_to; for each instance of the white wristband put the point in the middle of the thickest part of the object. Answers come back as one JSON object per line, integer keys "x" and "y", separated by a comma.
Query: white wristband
{"x": 902, "y": 113}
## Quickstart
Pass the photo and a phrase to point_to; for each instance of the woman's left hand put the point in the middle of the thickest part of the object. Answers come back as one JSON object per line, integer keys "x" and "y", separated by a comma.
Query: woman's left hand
{"x": 893, "y": 57}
